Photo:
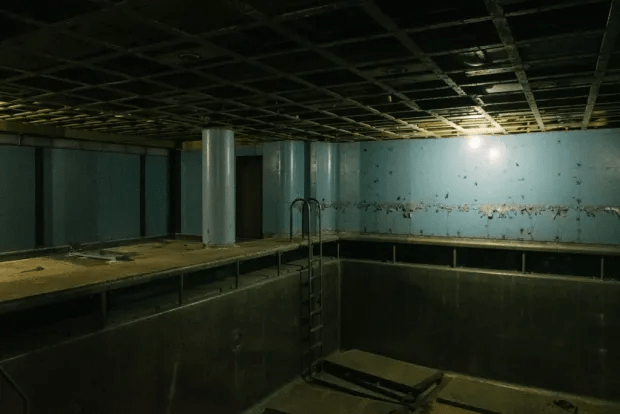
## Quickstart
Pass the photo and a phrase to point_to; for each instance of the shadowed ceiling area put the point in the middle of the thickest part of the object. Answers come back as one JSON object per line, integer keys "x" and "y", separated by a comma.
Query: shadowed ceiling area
{"x": 311, "y": 69}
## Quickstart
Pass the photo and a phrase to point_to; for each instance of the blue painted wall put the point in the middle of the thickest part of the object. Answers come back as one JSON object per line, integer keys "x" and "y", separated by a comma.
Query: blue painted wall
{"x": 191, "y": 192}
{"x": 283, "y": 182}
{"x": 17, "y": 230}
{"x": 156, "y": 193}
{"x": 90, "y": 196}
{"x": 118, "y": 191}
{"x": 557, "y": 186}
{"x": 348, "y": 187}
{"x": 326, "y": 188}
{"x": 547, "y": 187}
{"x": 248, "y": 151}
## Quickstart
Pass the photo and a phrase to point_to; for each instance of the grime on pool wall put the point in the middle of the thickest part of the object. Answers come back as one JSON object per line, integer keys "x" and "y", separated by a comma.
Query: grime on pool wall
{"x": 557, "y": 186}
{"x": 485, "y": 211}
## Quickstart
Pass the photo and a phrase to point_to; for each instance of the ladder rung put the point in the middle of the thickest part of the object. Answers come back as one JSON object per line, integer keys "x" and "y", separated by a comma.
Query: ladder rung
{"x": 316, "y": 329}
{"x": 317, "y": 345}
{"x": 315, "y": 295}
{"x": 317, "y": 311}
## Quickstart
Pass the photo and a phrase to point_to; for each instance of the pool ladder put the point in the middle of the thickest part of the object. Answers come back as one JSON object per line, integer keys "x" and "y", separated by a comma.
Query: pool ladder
{"x": 312, "y": 299}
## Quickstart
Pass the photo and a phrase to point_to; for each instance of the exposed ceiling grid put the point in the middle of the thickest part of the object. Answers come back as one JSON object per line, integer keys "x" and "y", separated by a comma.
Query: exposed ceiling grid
{"x": 311, "y": 69}
{"x": 607, "y": 47}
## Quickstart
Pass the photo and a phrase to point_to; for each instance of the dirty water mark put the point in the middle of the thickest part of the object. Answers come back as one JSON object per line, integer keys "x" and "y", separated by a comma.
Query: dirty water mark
{"x": 498, "y": 210}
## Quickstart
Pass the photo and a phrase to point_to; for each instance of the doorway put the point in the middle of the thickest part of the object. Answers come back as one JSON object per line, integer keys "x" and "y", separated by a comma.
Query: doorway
{"x": 249, "y": 197}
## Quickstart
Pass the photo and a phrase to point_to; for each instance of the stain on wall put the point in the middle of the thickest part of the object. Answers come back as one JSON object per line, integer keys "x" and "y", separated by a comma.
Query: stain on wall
{"x": 557, "y": 186}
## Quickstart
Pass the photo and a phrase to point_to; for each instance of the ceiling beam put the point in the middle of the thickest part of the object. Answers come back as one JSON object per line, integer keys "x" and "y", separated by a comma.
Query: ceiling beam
{"x": 607, "y": 47}
{"x": 505, "y": 34}
{"x": 251, "y": 11}
{"x": 387, "y": 23}
{"x": 87, "y": 64}
{"x": 273, "y": 96}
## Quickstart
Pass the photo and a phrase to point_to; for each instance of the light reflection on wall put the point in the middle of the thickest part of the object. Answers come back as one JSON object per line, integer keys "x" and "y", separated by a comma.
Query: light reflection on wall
{"x": 494, "y": 154}
{"x": 487, "y": 149}
{"x": 474, "y": 142}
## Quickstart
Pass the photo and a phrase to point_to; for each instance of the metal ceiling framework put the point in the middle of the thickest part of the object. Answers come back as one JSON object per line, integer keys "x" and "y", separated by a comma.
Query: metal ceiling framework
{"x": 310, "y": 69}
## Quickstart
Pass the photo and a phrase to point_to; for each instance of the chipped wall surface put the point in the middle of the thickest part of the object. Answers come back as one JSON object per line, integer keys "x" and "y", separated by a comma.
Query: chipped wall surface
{"x": 546, "y": 187}
{"x": 556, "y": 186}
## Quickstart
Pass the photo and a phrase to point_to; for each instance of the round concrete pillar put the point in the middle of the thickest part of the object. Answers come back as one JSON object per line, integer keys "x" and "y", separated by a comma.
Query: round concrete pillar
{"x": 218, "y": 187}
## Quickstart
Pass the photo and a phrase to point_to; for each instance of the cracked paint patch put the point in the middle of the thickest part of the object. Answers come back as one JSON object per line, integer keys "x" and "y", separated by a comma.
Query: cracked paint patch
{"x": 484, "y": 210}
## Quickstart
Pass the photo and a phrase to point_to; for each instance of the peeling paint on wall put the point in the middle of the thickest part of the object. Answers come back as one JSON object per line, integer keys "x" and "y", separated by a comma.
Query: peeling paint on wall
{"x": 484, "y": 210}
{"x": 545, "y": 187}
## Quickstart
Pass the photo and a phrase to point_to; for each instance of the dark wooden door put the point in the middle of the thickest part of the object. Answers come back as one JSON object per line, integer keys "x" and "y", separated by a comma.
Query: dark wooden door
{"x": 249, "y": 197}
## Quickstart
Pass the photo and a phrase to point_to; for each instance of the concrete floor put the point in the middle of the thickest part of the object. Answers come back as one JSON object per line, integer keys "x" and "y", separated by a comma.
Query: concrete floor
{"x": 456, "y": 394}
{"x": 20, "y": 279}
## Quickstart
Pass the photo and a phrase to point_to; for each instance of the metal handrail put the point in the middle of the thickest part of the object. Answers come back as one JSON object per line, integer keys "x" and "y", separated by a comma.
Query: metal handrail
{"x": 319, "y": 208}
{"x": 306, "y": 206}
{"x": 291, "y": 215}
{"x": 17, "y": 389}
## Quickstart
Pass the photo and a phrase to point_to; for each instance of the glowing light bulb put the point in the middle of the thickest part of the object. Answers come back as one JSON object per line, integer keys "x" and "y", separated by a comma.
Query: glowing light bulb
{"x": 493, "y": 154}
{"x": 474, "y": 142}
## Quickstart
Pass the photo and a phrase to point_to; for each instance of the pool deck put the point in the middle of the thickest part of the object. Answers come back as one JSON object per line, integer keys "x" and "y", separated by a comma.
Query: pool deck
{"x": 41, "y": 276}
{"x": 61, "y": 275}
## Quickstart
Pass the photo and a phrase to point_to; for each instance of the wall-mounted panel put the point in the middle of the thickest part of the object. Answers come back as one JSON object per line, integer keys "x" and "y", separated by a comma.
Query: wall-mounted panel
{"x": 118, "y": 196}
{"x": 191, "y": 192}
{"x": 156, "y": 193}
{"x": 17, "y": 198}
{"x": 90, "y": 196}
{"x": 70, "y": 182}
